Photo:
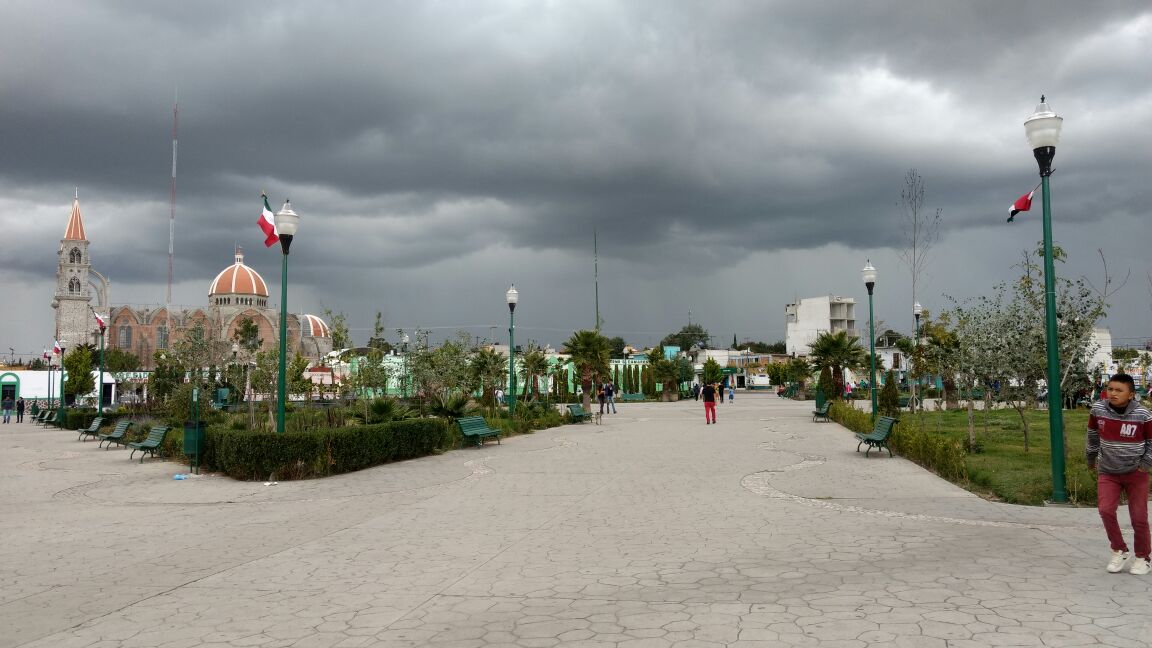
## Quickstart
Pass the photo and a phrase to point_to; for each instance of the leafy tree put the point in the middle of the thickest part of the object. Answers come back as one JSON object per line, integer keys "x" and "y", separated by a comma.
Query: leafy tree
{"x": 825, "y": 383}
{"x": 888, "y": 401}
{"x": 118, "y": 360}
{"x": 78, "y": 365}
{"x": 247, "y": 337}
{"x": 37, "y": 364}
{"x": 442, "y": 370}
{"x": 296, "y": 383}
{"x": 535, "y": 365}
{"x": 713, "y": 373}
{"x": 616, "y": 347}
{"x": 589, "y": 351}
{"x": 686, "y": 337}
{"x": 1125, "y": 358}
{"x": 665, "y": 371}
{"x": 764, "y": 347}
{"x": 338, "y": 329}
{"x": 799, "y": 371}
{"x": 486, "y": 371}
{"x": 838, "y": 352}
{"x": 377, "y": 340}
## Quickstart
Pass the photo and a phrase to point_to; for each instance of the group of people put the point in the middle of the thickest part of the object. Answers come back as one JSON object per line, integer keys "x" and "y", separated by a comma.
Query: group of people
{"x": 8, "y": 405}
{"x": 712, "y": 394}
{"x": 606, "y": 394}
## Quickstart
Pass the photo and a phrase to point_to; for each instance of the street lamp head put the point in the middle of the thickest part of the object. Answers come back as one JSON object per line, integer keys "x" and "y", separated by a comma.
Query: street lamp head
{"x": 917, "y": 310}
{"x": 235, "y": 349}
{"x": 1043, "y": 131}
{"x": 869, "y": 275}
{"x": 287, "y": 221}
{"x": 404, "y": 339}
{"x": 513, "y": 297}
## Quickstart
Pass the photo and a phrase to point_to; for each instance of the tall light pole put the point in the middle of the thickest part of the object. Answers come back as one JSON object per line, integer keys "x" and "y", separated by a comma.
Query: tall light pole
{"x": 513, "y": 296}
{"x": 404, "y": 347}
{"x": 62, "y": 415}
{"x": 869, "y": 274}
{"x": 100, "y": 386}
{"x": 51, "y": 386}
{"x": 1043, "y": 132}
{"x": 286, "y": 223}
{"x": 917, "y": 311}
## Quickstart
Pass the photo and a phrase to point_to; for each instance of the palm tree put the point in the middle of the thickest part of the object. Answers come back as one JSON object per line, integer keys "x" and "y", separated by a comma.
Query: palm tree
{"x": 590, "y": 352}
{"x": 535, "y": 365}
{"x": 486, "y": 369}
{"x": 837, "y": 351}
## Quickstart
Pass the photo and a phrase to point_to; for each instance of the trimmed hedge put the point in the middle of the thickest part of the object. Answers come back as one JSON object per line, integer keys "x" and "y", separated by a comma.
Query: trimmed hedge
{"x": 248, "y": 455}
{"x": 939, "y": 454}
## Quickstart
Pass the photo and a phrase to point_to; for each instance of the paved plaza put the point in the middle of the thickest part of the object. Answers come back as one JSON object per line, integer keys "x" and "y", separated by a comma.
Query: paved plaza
{"x": 650, "y": 530}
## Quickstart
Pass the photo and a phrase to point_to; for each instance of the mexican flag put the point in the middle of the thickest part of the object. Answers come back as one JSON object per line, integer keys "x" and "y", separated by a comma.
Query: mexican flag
{"x": 1022, "y": 204}
{"x": 99, "y": 320}
{"x": 268, "y": 224}
{"x": 56, "y": 347}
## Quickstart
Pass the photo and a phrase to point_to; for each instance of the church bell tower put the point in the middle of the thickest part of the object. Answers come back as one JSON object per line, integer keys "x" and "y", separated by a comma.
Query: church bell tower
{"x": 73, "y": 298}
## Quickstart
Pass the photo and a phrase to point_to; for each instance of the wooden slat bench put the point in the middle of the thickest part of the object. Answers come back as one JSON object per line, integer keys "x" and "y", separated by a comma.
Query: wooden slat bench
{"x": 878, "y": 437}
{"x": 577, "y": 414}
{"x": 150, "y": 445}
{"x": 476, "y": 427}
{"x": 821, "y": 412}
{"x": 93, "y": 429}
{"x": 116, "y": 435}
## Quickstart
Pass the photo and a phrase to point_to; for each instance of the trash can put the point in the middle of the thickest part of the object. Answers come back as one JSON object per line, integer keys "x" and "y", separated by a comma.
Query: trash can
{"x": 194, "y": 439}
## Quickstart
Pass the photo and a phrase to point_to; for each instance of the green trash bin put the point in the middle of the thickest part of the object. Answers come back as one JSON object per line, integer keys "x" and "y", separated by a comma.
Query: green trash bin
{"x": 194, "y": 442}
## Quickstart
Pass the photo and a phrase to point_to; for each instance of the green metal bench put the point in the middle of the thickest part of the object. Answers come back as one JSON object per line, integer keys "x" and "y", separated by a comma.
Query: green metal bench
{"x": 789, "y": 391}
{"x": 93, "y": 429}
{"x": 878, "y": 437}
{"x": 116, "y": 435}
{"x": 577, "y": 414}
{"x": 630, "y": 397}
{"x": 42, "y": 416}
{"x": 151, "y": 444}
{"x": 821, "y": 412}
{"x": 476, "y": 427}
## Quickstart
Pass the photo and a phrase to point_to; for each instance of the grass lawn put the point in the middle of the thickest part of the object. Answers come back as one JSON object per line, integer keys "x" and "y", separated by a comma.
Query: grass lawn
{"x": 1002, "y": 469}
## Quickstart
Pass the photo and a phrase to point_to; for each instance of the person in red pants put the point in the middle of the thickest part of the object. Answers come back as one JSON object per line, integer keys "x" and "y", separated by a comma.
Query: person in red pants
{"x": 708, "y": 394}
{"x": 1119, "y": 448}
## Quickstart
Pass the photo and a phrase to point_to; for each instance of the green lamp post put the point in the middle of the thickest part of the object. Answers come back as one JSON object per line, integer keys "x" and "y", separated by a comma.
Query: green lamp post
{"x": 62, "y": 413}
{"x": 404, "y": 347}
{"x": 513, "y": 297}
{"x": 917, "y": 311}
{"x": 869, "y": 274}
{"x": 1043, "y": 132}
{"x": 100, "y": 385}
{"x": 286, "y": 224}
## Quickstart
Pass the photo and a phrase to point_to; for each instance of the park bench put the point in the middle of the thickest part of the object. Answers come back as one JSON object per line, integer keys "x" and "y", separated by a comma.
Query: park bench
{"x": 789, "y": 391}
{"x": 56, "y": 419}
{"x": 477, "y": 427}
{"x": 93, "y": 429}
{"x": 151, "y": 444}
{"x": 42, "y": 416}
{"x": 630, "y": 397}
{"x": 878, "y": 437}
{"x": 577, "y": 414}
{"x": 821, "y": 412}
{"x": 116, "y": 435}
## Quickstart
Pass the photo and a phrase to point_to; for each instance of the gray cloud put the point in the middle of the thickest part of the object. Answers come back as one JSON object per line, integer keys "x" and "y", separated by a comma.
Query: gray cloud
{"x": 439, "y": 145}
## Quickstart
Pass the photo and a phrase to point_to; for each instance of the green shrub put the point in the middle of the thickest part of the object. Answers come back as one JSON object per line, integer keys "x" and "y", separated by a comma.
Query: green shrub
{"x": 888, "y": 401}
{"x": 940, "y": 454}
{"x": 318, "y": 453}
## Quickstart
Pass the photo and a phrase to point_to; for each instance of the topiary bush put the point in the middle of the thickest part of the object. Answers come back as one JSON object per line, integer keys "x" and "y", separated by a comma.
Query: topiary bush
{"x": 888, "y": 402}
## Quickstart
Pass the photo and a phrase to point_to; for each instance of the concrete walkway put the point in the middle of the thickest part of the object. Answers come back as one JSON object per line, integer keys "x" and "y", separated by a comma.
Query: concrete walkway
{"x": 651, "y": 530}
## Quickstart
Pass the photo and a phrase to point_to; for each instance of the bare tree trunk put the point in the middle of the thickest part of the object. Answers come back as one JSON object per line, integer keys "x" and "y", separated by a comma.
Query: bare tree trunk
{"x": 971, "y": 421}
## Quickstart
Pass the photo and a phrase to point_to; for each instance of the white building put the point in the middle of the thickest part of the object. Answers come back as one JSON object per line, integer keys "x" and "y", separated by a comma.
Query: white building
{"x": 1102, "y": 355}
{"x": 811, "y": 316}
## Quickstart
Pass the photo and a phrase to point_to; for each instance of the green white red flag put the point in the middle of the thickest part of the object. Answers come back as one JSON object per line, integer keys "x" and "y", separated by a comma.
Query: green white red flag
{"x": 267, "y": 223}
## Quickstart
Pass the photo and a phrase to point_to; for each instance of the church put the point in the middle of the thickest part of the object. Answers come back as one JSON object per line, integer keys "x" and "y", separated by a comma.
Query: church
{"x": 238, "y": 292}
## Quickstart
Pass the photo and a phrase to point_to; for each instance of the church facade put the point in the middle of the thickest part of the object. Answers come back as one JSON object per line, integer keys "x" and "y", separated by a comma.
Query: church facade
{"x": 237, "y": 293}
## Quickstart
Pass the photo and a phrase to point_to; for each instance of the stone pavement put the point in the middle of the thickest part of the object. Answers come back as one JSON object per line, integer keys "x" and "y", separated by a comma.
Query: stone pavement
{"x": 651, "y": 530}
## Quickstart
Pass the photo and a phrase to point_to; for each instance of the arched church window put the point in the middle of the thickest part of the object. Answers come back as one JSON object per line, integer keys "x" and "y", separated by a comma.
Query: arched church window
{"x": 74, "y": 256}
{"x": 125, "y": 337}
{"x": 162, "y": 337}
{"x": 74, "y": 285}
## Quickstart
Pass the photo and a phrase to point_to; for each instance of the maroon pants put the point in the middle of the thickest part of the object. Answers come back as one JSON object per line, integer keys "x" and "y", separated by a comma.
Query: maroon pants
{"x": 1108, "y": 489}
{"x": 709, "y": 411}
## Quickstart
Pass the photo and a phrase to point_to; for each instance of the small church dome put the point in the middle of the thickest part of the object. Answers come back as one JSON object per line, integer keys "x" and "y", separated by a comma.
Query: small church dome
{"x": 238, "y": 279}
{"x": 313, "y": 326}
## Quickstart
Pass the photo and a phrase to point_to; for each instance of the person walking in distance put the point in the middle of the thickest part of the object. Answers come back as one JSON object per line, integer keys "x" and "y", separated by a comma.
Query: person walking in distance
{"x": 709, "y": 396}
{"x": 1119, "y": 448}
{"x": 731, "y": 393}
{"x": 20, "y": 410}
{"x": 610, "y": 395}
{"x": 7, "y": 406}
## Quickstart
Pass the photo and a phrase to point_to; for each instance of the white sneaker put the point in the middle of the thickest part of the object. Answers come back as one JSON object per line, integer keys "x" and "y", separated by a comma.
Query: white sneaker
{"x": 1140, "y": 567}
{"x": 1117, "y": 562}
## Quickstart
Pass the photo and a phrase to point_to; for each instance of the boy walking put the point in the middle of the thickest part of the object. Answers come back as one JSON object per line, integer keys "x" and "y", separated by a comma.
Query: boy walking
{"x": 1120, "y": 448}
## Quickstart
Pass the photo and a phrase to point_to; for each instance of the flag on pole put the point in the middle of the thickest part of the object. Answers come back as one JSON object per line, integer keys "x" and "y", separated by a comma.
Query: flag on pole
{"x": 56, "y": 347}
{"x": 268, "y": 224}
{"x": 99, "y": 320}
{"x": 1022, "y": 204}
{"x": 46, "y": 356}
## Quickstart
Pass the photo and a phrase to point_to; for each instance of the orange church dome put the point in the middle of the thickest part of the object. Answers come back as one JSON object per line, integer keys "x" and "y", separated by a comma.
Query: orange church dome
{"x": 238, "y": 279}
{"x": 314, "y": 326}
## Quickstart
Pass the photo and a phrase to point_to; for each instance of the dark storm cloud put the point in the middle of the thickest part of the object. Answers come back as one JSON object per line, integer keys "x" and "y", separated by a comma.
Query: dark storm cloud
{"x": 409, "y": 134}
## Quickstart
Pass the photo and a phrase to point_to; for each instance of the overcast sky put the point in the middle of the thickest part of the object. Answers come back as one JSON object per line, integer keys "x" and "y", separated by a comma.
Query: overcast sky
{"x": 731, "y": 155}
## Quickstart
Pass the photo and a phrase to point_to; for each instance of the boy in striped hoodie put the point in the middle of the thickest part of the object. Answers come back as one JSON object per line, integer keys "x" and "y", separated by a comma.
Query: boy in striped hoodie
{"x": 1120, "y": 448}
